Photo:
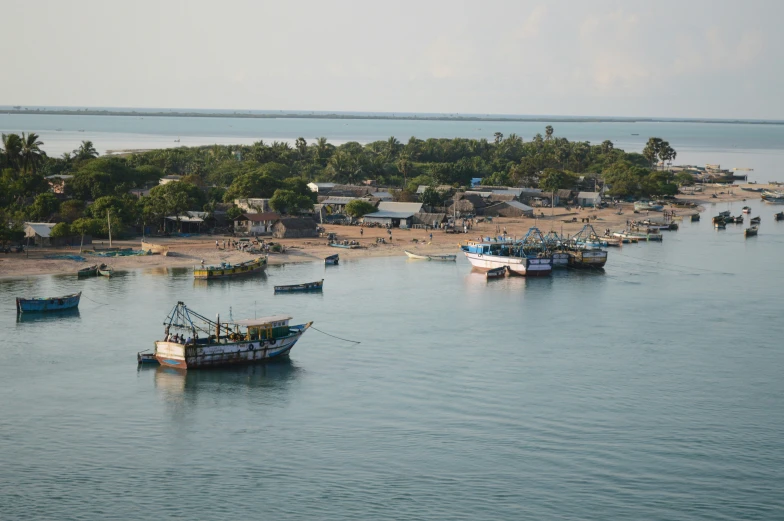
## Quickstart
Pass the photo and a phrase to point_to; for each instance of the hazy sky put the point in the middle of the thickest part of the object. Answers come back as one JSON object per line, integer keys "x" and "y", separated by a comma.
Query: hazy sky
{"x": 682, "y": 58}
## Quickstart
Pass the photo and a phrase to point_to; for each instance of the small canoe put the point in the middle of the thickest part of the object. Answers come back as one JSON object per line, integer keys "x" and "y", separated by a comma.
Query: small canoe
{"x": 332, "y": 260}
{"x": 496, "y": 273}
{"x": 755, "y": 220}
{"x": 104, "y": 270}
{"x": 719, "y": 225}
{"x": 416, "y": 256}
{"x": 89, "y": 271}
{"x": 446, "y": 258}
{"x": 146, "y": 358}
{"x": 779, "y": 216}
{"x": 41, "y": 304}
{"x": 307, "y": 286}
{"x": 750, "y": 232}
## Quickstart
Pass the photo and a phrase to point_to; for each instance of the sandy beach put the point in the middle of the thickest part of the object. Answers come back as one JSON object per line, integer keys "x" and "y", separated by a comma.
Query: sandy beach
{"x": 189, "y": 252}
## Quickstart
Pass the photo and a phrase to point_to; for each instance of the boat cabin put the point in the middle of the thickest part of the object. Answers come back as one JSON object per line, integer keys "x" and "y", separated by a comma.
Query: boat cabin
{"x": 265, "y": 328}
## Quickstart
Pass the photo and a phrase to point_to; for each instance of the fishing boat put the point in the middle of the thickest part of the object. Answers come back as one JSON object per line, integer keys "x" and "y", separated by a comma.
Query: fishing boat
{"x": 89, "y": 271}
{"x": 755, "y": 220}
{"x": 746, "y": 209}
{"x": 609, "y": 240}
{"x": 225, "y": 269}
{"x": 104, "y": 270}
{"x": 719, "y": 225}
{"x": 645, "y": 206}
{"x": 590, "y": 259}
{"x": 778, "y": 216}
{"x": 749, "y": 189}
{"x": 527, "y": 256}
{"x": 199, "y": 342}
{"x": 307, "y": 286}
{"x": 496, "y": 273}
{"x": 332, "y": 260}
{"x": 752, "y": 231}
{"x": 41, "y": 304}
{"x": 352, "y": 245}
{"x": 734, "y": 220}
{"x": 144, "y": 357}
{"x": 446, "y": 258}
{"x": 772, "y": 196}
{"x": 695, "y": 217}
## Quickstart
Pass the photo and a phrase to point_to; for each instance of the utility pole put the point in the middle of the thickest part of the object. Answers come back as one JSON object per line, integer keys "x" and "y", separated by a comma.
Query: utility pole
{"x": 109, "y": 221}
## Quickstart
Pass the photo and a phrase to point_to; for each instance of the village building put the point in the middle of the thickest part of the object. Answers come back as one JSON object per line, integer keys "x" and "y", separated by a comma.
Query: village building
{"x": 294, "y": 228}
{"x": 394, "y": 215}
{"x": 189, "y": 222}
{"x": 40, "y": 235}
{"x": 169, "y": 179}
{"x": 563, "y": 197}
{"x": 382, "y": 196}
{"x": 509, "y": 209}
{"x": 57, "y": 182}
{"x": 428, "y": 220}
{"x": 589, "y": 199}
{"x": 321, "y": 188}
{"x": 255, "y": 223}
{"x": 253, "y": 205}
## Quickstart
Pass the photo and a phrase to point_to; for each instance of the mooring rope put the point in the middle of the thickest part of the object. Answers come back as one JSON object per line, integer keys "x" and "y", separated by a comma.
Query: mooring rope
{"x": 91, "y": 300}
{"x": 333, "y": 336}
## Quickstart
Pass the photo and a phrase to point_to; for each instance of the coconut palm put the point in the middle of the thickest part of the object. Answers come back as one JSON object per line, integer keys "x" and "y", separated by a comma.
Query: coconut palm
{"x": 31, "y": 151}
{"x": 12, "y": 145}
{"x": 548, "y": 133}
{"x": 497, "y": 137}
{"x": 85, "y": 151}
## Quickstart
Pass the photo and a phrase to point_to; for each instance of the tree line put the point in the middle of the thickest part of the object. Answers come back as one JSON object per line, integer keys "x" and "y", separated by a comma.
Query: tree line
{"x": 213, "y": 175}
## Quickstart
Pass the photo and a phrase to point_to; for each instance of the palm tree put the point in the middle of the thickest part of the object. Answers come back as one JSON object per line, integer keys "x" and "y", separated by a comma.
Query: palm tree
{"x": 12, "y": 144}
{"x": 548, "y": 133}
{"x": 321, "y": 150}
{"x": 404, "y": 166}
{"x": 302, "y": 146}
{"x": 498, "y": 137}
{"x": 392, "y": 146}
{"x": 85, "y": 151}
{"x": 31, "y": 151}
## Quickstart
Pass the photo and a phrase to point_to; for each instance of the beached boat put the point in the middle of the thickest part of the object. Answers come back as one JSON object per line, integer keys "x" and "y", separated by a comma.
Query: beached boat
{"x": 201, "y": 343}
{"x": 42, "y": 304}
{"x": 527, "y": 256}
{"x": 752, "y": 231}
{"x": 778, "y": 216}
{"x": 89, "y": 271}
{"x": 307, "y": 286}
{"x": 104, "y": 270}
{"x": 749, "y": 189}
{"x": 332, "y": 260}
{"x": 447, "y": 258}
{"x": 352, "y": 245}
{"x": 496, "y": 273}
{"x": 645, "y": 206}
{"x": 746, "y": 209}
{"x": 755, "y": 220}
{"x": 225, "y": 269}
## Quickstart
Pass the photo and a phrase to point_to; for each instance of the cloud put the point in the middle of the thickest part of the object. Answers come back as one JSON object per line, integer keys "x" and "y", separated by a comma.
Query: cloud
{"x": 532, "y": 24}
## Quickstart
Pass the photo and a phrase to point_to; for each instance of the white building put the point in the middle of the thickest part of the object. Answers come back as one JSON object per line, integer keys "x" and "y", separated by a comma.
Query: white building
{"x": 321, "y": 187}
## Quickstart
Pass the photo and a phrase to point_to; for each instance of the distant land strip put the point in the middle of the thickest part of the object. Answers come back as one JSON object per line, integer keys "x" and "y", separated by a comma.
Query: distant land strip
{"x": 412, "y": 117}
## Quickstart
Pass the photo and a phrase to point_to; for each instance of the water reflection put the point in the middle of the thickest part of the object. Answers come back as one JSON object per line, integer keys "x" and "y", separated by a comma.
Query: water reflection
{"x": 250, "y": 278}
{"x": 53, "y": 316}
{"x": 269, "y": 379}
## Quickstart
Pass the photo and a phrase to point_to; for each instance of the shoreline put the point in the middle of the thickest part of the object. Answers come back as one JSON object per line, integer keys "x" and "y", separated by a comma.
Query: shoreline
{"x": 188, "y": 252}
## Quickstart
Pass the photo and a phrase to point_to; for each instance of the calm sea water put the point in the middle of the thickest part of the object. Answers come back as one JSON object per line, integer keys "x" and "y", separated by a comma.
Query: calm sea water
{"x": 651, "y": 391}
{"x": 743, "y": 145}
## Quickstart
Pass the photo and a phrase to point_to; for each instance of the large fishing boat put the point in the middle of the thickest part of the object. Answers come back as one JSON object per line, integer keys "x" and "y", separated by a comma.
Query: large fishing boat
{"x": 199, "y": 342}
{"x": 42, "y": 304}
{"x": 527, "y": 256}
{"x": 225, "y": 269}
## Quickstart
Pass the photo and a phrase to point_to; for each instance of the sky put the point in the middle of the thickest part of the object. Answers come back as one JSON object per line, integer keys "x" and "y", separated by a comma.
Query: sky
{"x": 687, "y": 58}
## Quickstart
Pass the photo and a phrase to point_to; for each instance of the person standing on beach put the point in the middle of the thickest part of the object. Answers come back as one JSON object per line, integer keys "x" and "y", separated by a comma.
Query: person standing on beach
{"x": 216, "y": 245}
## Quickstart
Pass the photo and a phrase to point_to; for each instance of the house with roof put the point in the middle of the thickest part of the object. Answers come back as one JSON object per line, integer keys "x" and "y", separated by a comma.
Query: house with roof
{"x": 294, "y": 228}
{"x": 589, "y": 199}
{"x": 321, "y": 188}
{"x": 40, "y": 235}
{"x": 188, "y": 222}
{"x": 169, "y": 179}
{"x": 255, "y": 223}
{"x": 509, "y": 209}
{"x": 394, "y": 215}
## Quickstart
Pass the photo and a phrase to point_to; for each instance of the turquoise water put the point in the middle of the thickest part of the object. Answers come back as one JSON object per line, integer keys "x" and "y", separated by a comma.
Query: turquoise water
{"x": 651, "y": 391}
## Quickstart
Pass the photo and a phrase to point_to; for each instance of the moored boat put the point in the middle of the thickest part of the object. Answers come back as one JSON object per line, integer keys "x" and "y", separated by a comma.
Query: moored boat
{"x": 307, "y": 286}
{"x": 778, "y": 216}
{"x": 746, "y": 209}
{"x": 332, "y": 260}
{"x": 43, "y": 304}
{"x": 591, "y": 259}
{"x": 695, "y": 217}
{"x": 104, "y": 270}
{"x": 225, "y": 269}
{"x": 205, "y": 343}
{"x": 527, "y": 256}
{"x": 416, "y": 256}
{"x": 496, "y": 273}
{"x": 352, "y": 245}
{"x": 752, "y": 231}
{"x": 719, "y": 225}
{"x": 89, "y": 271}
{"x": 755, "y": 220}
{"x": 146, "y": 358}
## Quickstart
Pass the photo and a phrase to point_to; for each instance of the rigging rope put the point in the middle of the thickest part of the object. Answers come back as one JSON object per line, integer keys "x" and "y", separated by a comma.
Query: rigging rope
{"x": 333, "y": 336}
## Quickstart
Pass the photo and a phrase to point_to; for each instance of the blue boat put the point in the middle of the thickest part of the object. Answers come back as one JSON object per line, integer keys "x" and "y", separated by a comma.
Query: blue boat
{"x": 41, "y": 304}
{"x": 308, "y": 286}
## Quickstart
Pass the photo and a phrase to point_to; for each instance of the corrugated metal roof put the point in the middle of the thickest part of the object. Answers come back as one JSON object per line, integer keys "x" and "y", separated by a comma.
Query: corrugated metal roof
{"x": 519, "y": 206}
{"x": 338, "y": 200}
{"x": 41, "y": 229}
{"x": 391, "y": 215}
{"x": 588, "y": 195}
{"x": 386, "y": 206}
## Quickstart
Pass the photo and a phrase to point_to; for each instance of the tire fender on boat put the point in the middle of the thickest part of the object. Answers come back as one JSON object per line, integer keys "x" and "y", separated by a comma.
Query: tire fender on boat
{"x": 272, "y": 341}
{"x": 250, "y": 347}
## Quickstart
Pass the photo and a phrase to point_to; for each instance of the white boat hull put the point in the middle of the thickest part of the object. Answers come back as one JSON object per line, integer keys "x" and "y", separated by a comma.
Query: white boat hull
{"x": 535, "y": 267}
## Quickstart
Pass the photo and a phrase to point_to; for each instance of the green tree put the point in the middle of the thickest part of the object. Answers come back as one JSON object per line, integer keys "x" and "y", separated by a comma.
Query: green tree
{"x": 497, "y": 138}
{"x": 684, "y": 179}
{"x": 85, "y": 226}
{"x": 61, "y": 230}
{"x": 252, "y": 184}
{"x": 44, "y": 207}
{"x": 72, "y": 209}
{"x": 359, "y": 207}
{"x": 12, "y": 150}
{"x": 287, "y": 201}
{"x": 431, "y": 197}
{"x": 31, "y": 152}
{"x": 548, "y": 133}
{"x": 85, "y": 151}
